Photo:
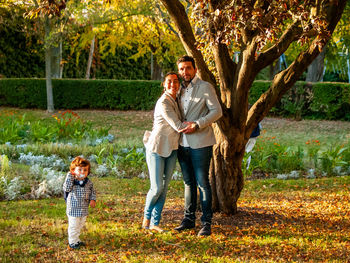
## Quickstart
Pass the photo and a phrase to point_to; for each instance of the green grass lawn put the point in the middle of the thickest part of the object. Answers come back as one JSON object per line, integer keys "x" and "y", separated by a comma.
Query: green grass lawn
{"x": 277, "y": 221}
{"x": 300, "y": 220}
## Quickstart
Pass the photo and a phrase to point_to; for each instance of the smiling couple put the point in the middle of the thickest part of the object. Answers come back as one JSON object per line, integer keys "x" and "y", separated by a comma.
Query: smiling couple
{"x": 182, "y": 129}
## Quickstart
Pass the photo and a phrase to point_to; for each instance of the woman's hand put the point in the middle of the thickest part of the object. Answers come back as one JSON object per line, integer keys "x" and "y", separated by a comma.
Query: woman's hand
{"x": 190, "y": 128}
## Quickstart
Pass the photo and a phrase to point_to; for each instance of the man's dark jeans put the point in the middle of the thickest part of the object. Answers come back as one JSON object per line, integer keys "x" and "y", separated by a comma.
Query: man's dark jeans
{"x": 195, "y": 170}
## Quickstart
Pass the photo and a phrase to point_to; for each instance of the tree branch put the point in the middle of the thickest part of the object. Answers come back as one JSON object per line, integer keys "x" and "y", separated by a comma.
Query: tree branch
{"x": 183, "y": 27}
{"x": 226, "y": 69}
{"x": 284, "y": 80}
{"x": 291, "y": 34}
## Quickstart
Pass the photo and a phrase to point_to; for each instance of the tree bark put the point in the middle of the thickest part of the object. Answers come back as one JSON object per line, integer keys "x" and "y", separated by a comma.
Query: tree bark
{"x": 55, "y": 61}
{"x": 48, "y": 56}
{"x": 156, "y": 70}
{"x": 91, "y": 56}
{"x": 61, "y": 64}
{"x": 315, "y": 70}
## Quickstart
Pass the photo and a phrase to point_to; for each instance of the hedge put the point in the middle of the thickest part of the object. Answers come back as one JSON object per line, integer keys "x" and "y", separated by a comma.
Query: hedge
{"x": 322, "y": 100}
{"x": 77, "y": 93}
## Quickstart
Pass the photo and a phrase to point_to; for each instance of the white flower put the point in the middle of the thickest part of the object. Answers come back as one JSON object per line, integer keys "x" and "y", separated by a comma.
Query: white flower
{"x": 60, "y": 164}
{"x": 12, "y": 190}
{"x": 142, "y": 175}
{"x": 98, "y": 141}
{"x": 177, "y": 176}
{"x": 294, "y": 174}
{"x": 92, "y": 158}
{"x": 117, "y": 173}
{"x": 337, "y": 170}
{"x": 282, "y": 176}
{"x": 21, "y": 146}
{"x": 51, "y": 182}
{"x": 101, "y": 170}
{"x": 42, "y": 191}
{"x": 311, "y": 174}
{"x": 140, "y": 150}
{"x": 110, "y": 137}
{"x": 51, "y": 161}
{"x": 36, "y": 170}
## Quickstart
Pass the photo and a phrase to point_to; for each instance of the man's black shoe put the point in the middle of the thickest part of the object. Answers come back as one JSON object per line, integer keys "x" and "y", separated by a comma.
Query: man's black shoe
{"x": 185, "y": 224}
{"x": 205, "y": 230}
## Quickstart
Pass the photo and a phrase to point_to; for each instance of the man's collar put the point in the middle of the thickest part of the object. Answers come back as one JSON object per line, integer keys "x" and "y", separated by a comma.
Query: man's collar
{"x": 192, "y": 82}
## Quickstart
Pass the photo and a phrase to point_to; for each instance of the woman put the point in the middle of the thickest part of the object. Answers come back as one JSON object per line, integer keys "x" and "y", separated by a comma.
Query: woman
{"x": 161, "y": 150}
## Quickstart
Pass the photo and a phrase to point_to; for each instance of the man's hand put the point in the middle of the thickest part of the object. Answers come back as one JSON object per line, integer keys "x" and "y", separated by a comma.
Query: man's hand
{"x": 92, "y": 203}
{"x": 190, "y": 128}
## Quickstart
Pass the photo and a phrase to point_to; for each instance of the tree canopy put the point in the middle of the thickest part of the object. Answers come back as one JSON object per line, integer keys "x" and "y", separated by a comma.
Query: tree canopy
{"x": 261, "y": 31}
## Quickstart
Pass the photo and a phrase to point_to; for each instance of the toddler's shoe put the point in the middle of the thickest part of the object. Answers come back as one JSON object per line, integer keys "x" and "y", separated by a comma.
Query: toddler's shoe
{"x": 74, "y": 246}
{"x": 81, "y": 244}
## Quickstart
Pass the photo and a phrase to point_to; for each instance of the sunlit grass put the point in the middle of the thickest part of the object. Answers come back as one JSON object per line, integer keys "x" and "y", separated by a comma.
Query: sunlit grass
{"x": 274, "y": 224}
{"x": 304, "y": 220}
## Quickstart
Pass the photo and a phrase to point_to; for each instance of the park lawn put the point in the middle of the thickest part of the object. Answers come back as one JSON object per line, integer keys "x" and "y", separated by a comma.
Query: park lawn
{"x": 277, "y": 221}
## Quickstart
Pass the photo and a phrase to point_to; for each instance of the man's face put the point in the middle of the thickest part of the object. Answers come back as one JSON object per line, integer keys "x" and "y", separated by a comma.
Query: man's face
{"x": 186, "y": 70}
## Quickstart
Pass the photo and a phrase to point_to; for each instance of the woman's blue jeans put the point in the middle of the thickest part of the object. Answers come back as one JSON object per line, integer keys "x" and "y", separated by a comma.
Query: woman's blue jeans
{"x": 160, "y": 172}
{"x": 195, "y": 170}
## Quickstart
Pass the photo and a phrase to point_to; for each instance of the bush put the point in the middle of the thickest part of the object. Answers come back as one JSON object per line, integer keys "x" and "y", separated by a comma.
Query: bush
{"x": 324, "y": 100}
{"x": 75, "y": 94}
{"x": 304, "y": 100}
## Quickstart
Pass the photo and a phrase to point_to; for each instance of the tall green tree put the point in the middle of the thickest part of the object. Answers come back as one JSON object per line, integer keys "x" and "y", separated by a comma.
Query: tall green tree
{"x": 49, "y": 12}
{"x": 261, "y": 31}
{"x": 337, "y": 59}
{"x": 136, "y": 24}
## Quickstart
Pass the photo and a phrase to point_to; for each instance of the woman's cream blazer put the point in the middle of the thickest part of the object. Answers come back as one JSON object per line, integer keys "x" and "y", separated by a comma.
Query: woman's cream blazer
{"x": 164, "y": 137}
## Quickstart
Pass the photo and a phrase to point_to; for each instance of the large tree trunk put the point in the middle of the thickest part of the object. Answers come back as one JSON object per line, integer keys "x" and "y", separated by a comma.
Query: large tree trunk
{"x": 61, "y": 64}
{"x": 55, "y": 61}
{"x": 156, "y": 70}
{"x": 226, "y": 178}
{"x": 315, "y": 70}
{"x": 48, "y": 56}
{"x": 91, "y": 55}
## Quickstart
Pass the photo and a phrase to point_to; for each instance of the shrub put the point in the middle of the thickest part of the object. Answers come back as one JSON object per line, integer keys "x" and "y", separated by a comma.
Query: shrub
{"x": 93, "y": 94}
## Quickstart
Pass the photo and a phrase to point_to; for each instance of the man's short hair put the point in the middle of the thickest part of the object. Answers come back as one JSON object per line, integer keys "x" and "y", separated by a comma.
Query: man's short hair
{"x": 186, "y": 59}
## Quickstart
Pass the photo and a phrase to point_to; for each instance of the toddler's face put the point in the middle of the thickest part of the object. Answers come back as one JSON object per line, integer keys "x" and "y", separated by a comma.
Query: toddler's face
{"x": 81, "y": 172}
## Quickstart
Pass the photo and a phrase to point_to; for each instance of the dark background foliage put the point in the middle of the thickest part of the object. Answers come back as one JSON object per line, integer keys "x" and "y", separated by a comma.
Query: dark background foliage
{"x": 323, "y": 100}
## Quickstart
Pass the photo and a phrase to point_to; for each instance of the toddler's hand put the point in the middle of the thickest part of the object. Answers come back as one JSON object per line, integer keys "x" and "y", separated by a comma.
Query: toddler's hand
{"x": 92, "y": 203}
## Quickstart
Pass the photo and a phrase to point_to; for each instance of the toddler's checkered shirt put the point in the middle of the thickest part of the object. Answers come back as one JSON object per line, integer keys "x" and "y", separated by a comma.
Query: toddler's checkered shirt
{"x": 79, "y": 197}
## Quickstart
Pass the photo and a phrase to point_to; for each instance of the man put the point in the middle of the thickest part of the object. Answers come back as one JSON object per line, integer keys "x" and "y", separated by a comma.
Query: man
{"x": 199, "y": 107}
